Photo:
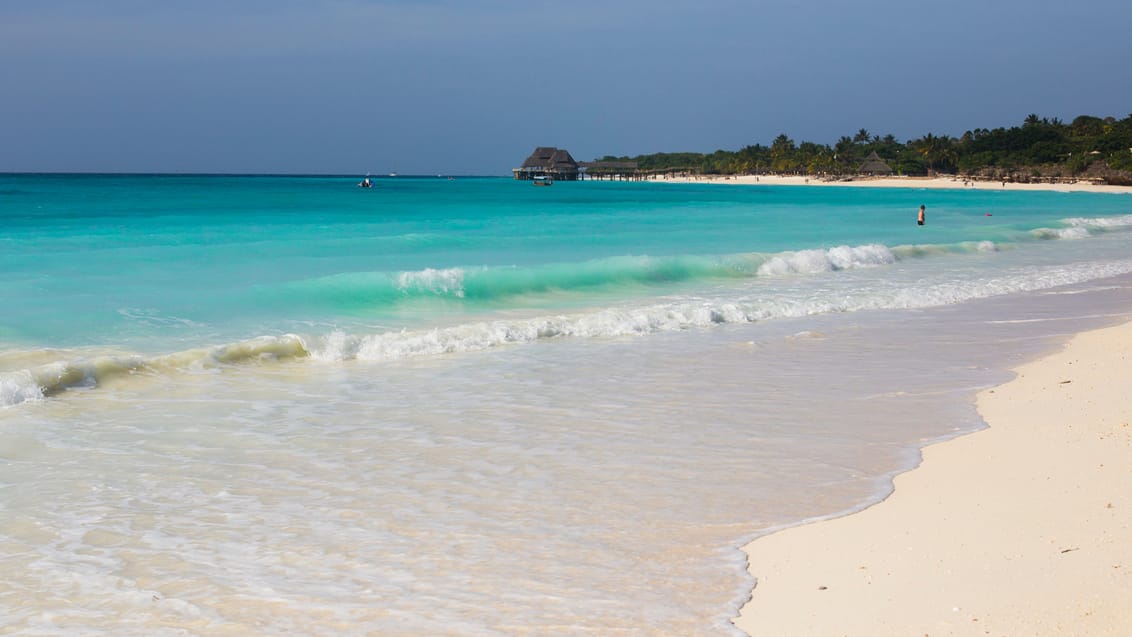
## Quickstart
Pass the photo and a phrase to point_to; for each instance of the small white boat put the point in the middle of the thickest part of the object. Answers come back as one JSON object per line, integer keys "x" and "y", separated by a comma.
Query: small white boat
{"x": 543, "y": 180}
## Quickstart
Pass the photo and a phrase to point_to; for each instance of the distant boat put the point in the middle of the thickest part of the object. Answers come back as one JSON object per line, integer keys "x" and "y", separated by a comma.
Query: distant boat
{"x": 365, "y": 183}
{"x": 393, "y": 174}
{"x": 543, "y": 180}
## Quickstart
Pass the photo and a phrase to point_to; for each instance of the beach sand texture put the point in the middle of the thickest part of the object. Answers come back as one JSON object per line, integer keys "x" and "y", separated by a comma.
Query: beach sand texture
{"x": 948, "y": 182}
{"x": 1024, "y": 528}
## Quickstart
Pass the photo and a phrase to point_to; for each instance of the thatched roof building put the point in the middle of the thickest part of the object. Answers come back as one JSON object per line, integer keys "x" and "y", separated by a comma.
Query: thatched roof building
{"x": 874, "y": 165}
{"x": 625, "y": 170}
{"x": 548, "y": 161}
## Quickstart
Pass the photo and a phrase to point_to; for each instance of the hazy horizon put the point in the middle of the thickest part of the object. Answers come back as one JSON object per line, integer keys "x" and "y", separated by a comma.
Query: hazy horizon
{"x": 348, "y": 87}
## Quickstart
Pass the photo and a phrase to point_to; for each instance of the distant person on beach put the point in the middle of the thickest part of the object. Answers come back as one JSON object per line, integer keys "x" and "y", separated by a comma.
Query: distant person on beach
{"x": 920, "y": 219}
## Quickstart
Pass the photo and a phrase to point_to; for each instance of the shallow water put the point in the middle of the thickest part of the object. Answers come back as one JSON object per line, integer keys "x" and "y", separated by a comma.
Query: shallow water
{"x": 208, "y": 431}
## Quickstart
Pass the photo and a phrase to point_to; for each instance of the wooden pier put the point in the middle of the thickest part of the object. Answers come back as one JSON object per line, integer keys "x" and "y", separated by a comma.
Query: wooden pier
{"x": 557, "y": 164}
{"x": 612, "y": 170}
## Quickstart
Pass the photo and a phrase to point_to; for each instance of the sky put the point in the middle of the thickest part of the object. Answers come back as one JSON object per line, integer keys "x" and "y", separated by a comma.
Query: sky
{"x": 472, "y": 87}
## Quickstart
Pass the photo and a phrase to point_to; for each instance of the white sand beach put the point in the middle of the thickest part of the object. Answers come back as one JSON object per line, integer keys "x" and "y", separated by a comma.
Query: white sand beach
{"x": 902, "y": 182}
{"x": 1024, "y": 528}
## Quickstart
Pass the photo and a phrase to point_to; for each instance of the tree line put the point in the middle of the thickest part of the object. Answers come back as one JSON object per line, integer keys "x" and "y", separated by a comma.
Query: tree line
{"x": 1039, "y": 149}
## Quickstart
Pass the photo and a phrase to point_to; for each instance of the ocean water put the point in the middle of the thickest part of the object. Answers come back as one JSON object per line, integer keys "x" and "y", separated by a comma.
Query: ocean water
{"x": 287, "y": 405}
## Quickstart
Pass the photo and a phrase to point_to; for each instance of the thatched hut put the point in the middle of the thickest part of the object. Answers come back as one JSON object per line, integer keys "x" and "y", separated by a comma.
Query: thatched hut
{"x": 874, "y": 165}
{"x": 548, "y": 161}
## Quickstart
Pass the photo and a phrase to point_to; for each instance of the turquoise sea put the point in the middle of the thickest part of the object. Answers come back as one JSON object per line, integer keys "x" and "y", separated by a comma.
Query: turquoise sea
{"x": 287, "y": 405}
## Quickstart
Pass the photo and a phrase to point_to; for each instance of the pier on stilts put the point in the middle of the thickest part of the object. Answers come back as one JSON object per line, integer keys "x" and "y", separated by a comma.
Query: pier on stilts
{"x": 549, "y": 162}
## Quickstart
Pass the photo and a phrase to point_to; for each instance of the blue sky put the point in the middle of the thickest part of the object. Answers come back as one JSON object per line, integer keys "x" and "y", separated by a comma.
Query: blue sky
{"x": 447, "y": 87}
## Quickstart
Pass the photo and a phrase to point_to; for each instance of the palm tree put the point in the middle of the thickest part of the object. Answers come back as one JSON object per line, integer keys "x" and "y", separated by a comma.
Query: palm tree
{"x": 936, "y": 149}
{"x": 782, "y": 154}
{"x": 948, "y": 152}
{"x": 929, "y": 146}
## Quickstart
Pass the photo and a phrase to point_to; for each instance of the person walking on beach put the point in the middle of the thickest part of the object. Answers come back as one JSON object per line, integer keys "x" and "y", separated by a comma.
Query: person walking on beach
{"x": 920, "y": 219}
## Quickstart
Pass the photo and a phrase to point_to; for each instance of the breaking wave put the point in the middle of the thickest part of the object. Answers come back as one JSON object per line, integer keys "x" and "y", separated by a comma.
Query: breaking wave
{"x": 1083, "y": 227}
{"x": 41, "y": 381}
{"x": 1075, "y": 232}
{"x": 369, "y": 290}
{"x": 1099, "y": 223}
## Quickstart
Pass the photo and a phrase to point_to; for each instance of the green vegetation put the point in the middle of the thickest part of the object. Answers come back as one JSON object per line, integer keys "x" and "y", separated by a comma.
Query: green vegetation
{"x": 1040, "y": 149}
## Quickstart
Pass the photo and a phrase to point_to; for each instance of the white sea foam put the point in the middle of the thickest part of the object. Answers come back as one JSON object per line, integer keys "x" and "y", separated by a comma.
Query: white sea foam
{"x": 1083, "y": 227}
{"x": 1100, "y": 222}
{"x": 689, "y": 314}
{"x": 1075, "y": 232}
{"x": 333, "y": 347}
{"x": 449, "y": 281}
{"x": 667, "y": 316}
{"x": 814, "y": 261}
{"x": 17, "y": 387}
{"x": 76, "y": 371}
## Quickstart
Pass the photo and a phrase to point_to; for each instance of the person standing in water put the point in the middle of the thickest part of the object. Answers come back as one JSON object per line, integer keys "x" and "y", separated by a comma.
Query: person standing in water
{"x": 920, "y": 219}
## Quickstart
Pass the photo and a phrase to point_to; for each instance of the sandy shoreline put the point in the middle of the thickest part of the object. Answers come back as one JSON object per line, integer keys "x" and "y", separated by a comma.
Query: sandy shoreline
{"x": 1024, "y": 528}
{"x": 902, "y": 182}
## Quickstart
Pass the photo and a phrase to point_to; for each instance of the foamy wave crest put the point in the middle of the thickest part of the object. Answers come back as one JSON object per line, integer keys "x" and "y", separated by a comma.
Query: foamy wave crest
{"x": 682, "y": 315}
{"x": 263, "y": 348}
{"x": 377, "y": 289}
{"x": 1099, "y": 222}
{"x": 49, "y": 379}
{"x": 673, "y": 315}
{"x": 333, "y": 347}
{"x": 446, "y": 282}
{"x": 928, "y": 250}
{"x": 18, "y": 387}
{"x": 815, "y": 261}
{"x": 1083, "y": 227}
{"x": 486, "y": 335}
{"x": 472, "y": 337}
{"x": 609, "y": 322}
{"x": 55, "y": 377}
{"x": 1076, "y": 232}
